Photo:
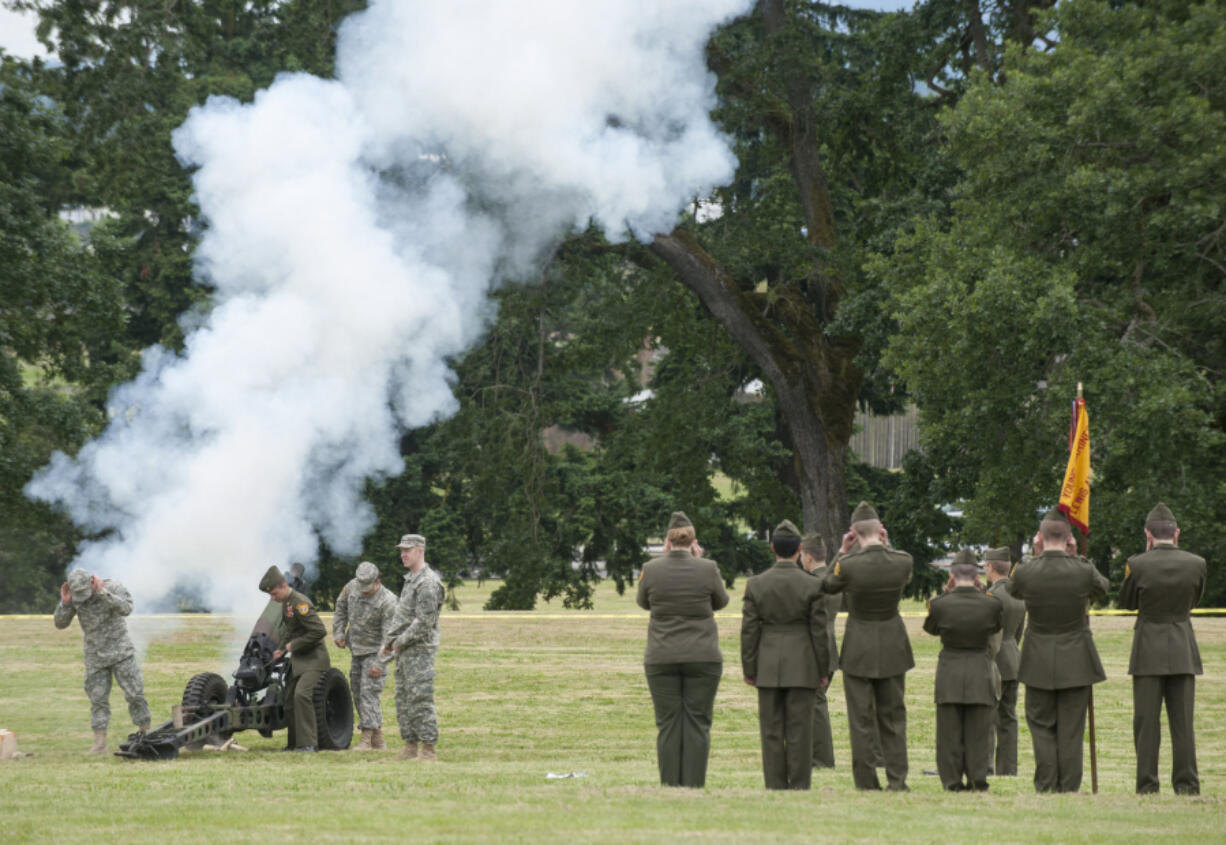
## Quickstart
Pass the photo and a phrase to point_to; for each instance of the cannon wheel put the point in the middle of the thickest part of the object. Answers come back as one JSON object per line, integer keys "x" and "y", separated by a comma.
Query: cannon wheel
{"x": 333, "y": 711}
{"x": 202, "y": 691}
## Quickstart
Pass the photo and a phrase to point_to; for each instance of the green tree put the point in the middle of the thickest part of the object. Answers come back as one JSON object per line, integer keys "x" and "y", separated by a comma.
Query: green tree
{"x": 1085, "y": 245}
{"x": 55, "y": 327}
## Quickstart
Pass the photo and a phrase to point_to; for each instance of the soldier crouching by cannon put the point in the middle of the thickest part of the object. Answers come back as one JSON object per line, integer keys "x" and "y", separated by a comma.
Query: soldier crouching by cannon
{"x": 284, "y": 678}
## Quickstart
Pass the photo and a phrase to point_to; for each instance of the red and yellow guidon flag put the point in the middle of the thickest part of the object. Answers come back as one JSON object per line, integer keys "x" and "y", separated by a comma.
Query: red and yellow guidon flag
{"x": 1075, "y": 492}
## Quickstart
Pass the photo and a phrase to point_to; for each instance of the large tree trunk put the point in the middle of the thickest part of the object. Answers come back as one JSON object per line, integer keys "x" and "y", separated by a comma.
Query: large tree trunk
{"x": 814, "y": 380}
{"x": 813, "y": 375}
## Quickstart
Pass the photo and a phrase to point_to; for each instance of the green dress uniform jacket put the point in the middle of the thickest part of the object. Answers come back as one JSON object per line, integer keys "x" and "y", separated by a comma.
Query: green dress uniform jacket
{"x": 1059, "y": 663}
{"x": 965, "y": 691}
{"x": 875, "y": 658}
{"x": 1004, "y": 716}
{"x": 682, "y": 592}
{"x": 682, "y": 662}
{"x": 785, "y": 649}
{"x": 875, "y": 642}
{"x": 784, "y": 637}
{"x": 1057, "y": 590}
{"x": 304, "y": 635}
{"x": 823, "y": 736}
{"x": 1163, "y": 585}
{"x": 1014, "y": 623}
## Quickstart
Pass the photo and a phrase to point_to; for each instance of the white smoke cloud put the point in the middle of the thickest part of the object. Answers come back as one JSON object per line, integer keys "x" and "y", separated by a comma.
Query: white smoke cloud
{"x": 354, "y": 228}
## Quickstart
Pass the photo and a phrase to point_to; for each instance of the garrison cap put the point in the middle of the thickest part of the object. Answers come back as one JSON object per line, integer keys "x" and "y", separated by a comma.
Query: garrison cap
{"x": 412, "y": 541}
{"x": 998, "y": 554}
{"x": 863, "y": 512}
{"x": 1160, "y": 513}
{"x": 813, "y": 543}
{"x": 272, "y": 578}
{"x": 787, "y": 528}
{"x": 965, "y": 557}
{"x": 679, "y": 520}
{"x": 81, "y": 584}
{"x": 367, "y": 575}
{"x": 1055, "y": 515}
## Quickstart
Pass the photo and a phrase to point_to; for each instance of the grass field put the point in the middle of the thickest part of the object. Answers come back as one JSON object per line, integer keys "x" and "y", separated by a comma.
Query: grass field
{"x": 523, "y": 694}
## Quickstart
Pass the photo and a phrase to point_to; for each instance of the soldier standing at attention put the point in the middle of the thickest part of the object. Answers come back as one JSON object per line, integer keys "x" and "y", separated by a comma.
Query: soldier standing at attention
{"x": 683, "y": 664}
{"x": 1059, "y": 663}
{"x": 100, "y": 606}
{"x": 876, "y": 651}
{"x": 414, "y": 640}
{"x": 363, "y": 620}
{"x": 1004, "y": 718}
{"x": 302, "y": 640}
{"x": 813, "y": 561}
{"x": 1163, "y": 584}
{"x": 785, "y": 654}
{"x": 966, "y": 620}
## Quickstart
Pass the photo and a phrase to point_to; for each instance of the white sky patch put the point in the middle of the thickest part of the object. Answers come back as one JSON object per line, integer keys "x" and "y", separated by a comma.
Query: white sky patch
{"x": 17, "y": 34}
{"x": 354, "y": 229}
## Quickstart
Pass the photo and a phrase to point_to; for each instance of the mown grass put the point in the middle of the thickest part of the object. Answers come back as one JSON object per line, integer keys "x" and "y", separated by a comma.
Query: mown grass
{"x": 523, "y": 694}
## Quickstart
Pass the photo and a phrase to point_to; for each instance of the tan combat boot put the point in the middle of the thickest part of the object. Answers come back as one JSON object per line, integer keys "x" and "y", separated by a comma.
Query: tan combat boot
{"x": 99, "y": 746}
{"x": 409, "y": 752}
{"x": 365, "y": 744}
{"x": 376, "y": 740}
{"x": 427, "y": 753}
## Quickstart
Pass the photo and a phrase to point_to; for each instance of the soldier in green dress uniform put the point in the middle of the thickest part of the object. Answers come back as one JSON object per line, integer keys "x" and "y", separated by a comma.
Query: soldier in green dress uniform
{"x": 966, "y": 620}
{"x": 785, "y": 655}
{"x": 876, "y": 650}
{"x": 1163, "y": 584}
{"x": 1059, "y": 663}
{"x": 683, "y": 663}
{"x": 302, "y": 638}
{"x": 813, "y": 561}
{"x": 996, "y": 563}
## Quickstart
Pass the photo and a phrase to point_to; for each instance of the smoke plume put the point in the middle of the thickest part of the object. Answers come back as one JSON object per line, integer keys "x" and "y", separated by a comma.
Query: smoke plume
{"x": 354, "y": 227}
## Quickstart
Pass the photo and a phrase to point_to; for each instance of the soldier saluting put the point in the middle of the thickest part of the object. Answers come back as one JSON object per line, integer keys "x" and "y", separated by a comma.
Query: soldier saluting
{"x": 1059, "y": 663}
{"x": 1163, "y": 584}
{"x": 303, "y": 634}
{"x": 876, "y": 651}
{"x": 966, "y": 620}
{"x": 996, "y": 564}
{"x": 785, "y": 654}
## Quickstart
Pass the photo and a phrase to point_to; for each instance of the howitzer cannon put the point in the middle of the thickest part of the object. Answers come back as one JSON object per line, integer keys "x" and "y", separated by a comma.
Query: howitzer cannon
{"x": 211, "y": 710}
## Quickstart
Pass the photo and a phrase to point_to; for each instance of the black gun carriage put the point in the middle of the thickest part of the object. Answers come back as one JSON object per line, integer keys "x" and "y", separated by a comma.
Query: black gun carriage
{"x": 212, "y": 710}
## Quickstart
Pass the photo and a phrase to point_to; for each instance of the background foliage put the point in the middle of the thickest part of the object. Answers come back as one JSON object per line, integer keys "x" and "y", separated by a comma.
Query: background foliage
{"x": 1023, "y": 198}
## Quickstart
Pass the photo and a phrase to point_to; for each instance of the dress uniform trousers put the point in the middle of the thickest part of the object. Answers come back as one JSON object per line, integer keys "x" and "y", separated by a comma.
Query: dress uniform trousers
{"x": 1148, "y": 694}
{"x": 683, "y": 697}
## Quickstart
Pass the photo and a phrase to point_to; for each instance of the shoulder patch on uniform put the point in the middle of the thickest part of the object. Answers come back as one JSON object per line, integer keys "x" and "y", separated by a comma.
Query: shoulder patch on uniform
{"x": 303, "y": 608}
{"x": 344, "y": 591}
{"x": 838, "y": 567}
{"x": 1127, "y": 571}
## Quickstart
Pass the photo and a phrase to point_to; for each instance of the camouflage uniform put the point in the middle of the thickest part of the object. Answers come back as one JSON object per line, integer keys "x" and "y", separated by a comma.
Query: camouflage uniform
{"x": 414, "y": 636}
{"x": 364, "y": 623}
{"x": 108, "y": 652}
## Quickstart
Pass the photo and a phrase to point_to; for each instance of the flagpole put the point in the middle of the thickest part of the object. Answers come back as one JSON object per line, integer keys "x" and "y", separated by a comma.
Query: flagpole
{"x": 1090, "y": 708}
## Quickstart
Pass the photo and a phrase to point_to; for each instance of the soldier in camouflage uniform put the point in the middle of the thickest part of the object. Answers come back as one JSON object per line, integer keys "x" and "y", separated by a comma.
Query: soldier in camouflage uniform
{"x": 100, "y": 606}
{"x": 414, "y": 639}
{"x": 363, "y": 620}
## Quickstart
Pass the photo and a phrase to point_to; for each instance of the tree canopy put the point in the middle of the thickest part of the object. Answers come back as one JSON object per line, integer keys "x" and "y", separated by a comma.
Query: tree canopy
{"x": 968, "y": 206}
{"x": 1084, "y": 244}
